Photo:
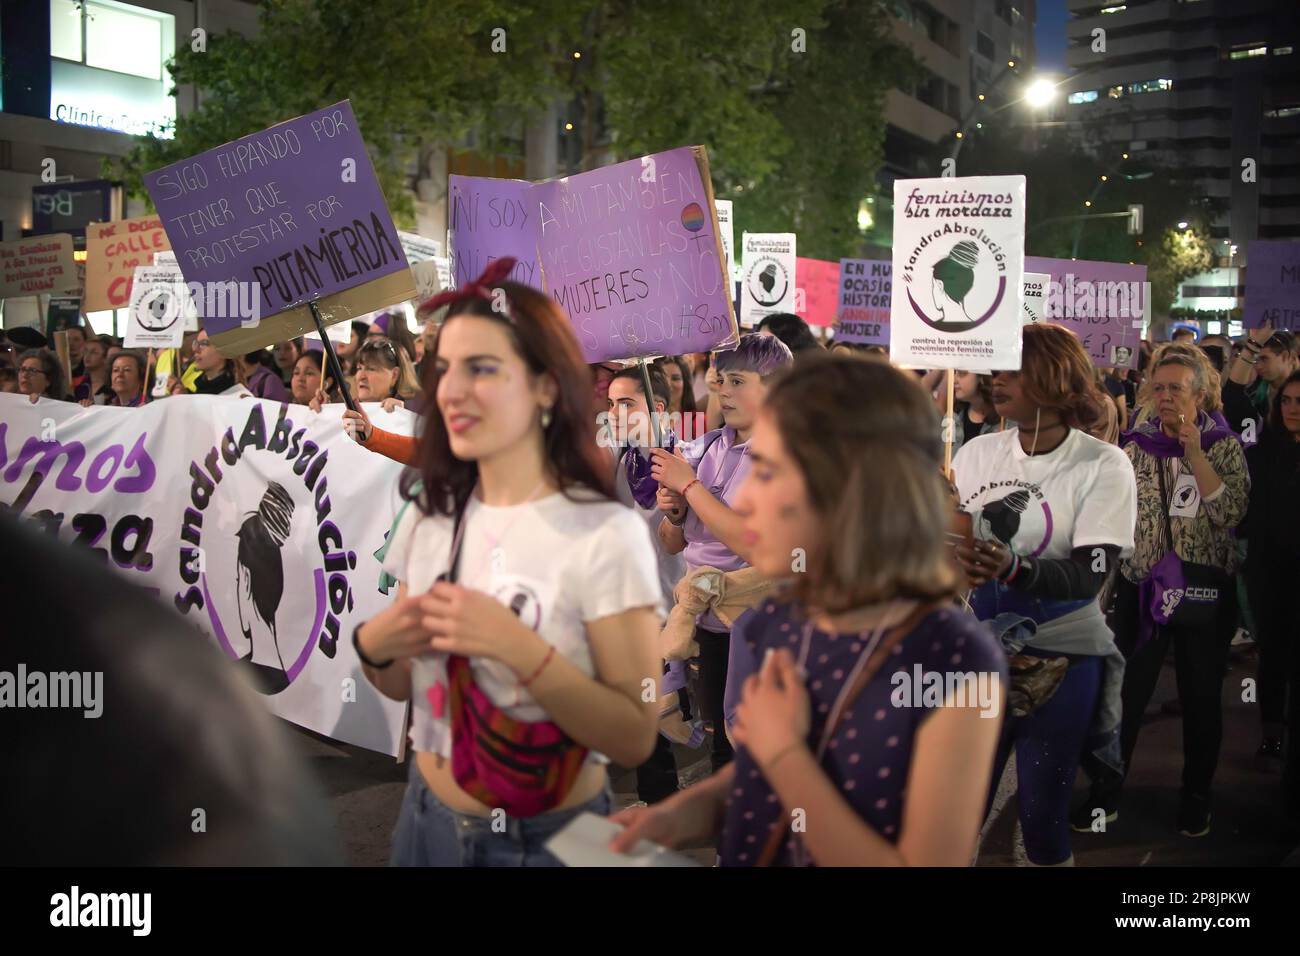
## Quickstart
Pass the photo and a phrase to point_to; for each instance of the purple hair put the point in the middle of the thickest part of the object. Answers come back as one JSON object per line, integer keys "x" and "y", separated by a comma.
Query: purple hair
{"x": 759, "y": 353}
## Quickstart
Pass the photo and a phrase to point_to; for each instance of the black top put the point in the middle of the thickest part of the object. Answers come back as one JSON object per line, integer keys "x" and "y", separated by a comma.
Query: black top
{"x": 214, "y": 386}
{"x": 1273, "y": 519}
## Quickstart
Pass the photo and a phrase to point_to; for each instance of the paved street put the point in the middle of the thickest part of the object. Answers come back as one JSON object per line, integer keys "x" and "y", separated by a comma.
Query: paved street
{"x": 366, "y": 789}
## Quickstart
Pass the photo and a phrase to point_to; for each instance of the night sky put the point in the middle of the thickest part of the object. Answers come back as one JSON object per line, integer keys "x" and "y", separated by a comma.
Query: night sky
{"x": 1049, "y": 36}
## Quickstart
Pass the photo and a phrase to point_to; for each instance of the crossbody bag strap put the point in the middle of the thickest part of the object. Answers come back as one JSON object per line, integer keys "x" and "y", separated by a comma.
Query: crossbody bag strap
{"x": 1164, "y": 502}
{"x": 874, "y": 663}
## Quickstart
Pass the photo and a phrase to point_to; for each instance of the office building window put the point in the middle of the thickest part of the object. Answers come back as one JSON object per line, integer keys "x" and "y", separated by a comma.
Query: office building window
{"x": 984, "y": 45}
{"x": 1281, "y": 50}
{"x": 1120, "y": 8}
{"x": 1115, "y": 92}
{"x": 1245, "y": 52}
{"x": 1151, "y": 86}
{"x": 1087, "y": 96}
{"x": 118, "y": 37}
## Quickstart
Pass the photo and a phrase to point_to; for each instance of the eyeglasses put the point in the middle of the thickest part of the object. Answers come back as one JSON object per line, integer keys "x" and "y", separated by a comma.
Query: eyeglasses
{"x": 31, "y": 370}
{"x": 376, "y": 345}
{"x": 1281, "y": 342}
{"x": 201, "y": 344}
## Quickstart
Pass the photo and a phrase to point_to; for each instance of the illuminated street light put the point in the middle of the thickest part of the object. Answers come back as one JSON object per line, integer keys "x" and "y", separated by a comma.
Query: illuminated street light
{"x": 1182, "y": 224}
{"x": 1040, "y": 93}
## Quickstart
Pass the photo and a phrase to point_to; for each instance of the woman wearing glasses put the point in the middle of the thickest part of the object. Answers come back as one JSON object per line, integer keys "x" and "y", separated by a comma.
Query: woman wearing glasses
{"x": 40, "y": 376}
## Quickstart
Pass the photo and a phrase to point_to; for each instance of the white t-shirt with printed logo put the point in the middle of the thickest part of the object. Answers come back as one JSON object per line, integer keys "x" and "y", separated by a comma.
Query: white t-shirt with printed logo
{"x": 1082, "y": 493}
{"x": 559, "y": 564}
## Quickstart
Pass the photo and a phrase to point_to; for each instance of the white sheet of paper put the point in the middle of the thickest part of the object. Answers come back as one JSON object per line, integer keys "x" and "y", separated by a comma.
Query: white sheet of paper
{"x": 1185, "y": 499}
{"x": 585, "y": 842}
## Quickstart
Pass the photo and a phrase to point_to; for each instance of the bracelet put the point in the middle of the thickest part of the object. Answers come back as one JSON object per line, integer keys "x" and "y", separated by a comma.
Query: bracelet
{"x": 1009, "y": 575}
{"x": 540, "y": 667}
{"x": 781, "y": 753}
{"x": 356, "y": 646}
{"x": 687, "y": 487}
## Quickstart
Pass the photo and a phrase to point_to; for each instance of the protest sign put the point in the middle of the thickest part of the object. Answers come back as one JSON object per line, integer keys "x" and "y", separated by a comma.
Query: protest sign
{"x": 768, "y": 284}
{"x": 1273, "y": 284}
{"x": 958, "y": 264}
{"x": 727, "y": 232}
{"x": 491, "y": 219}
{"x": 41, "y": 265}
{"x": 819, "y": 283}
{"x": 1101, "y": 302}
{"x": 422, "y": 254}
{"x": 113, "y": 251}
{"x": 257, "y": 522}
{"x": 1036, "y": 285}
{"x": 277, "y": 219}
{"x": 161, "y": 310}
{"x": 865, "y": 291}
{"x": 631, "y": 252}
{"x": 63, "y": 312}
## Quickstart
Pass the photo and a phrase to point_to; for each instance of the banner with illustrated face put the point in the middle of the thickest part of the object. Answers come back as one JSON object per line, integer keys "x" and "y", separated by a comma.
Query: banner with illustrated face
{"x": 255, "y": 521}
{"x": 1036, "y": 286}
{"x": 958, "y": 263}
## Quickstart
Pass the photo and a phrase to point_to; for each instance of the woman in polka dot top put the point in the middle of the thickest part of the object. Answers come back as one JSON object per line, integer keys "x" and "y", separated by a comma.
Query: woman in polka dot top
{"x": 866, "y": 735}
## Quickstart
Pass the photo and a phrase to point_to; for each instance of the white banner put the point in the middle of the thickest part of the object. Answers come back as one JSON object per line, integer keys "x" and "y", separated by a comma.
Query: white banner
{"x": 768, "y": 283}
{"x": 959, "y": 254}
{"x": 256, "y": 521}
{"x": 1036, "y": 285}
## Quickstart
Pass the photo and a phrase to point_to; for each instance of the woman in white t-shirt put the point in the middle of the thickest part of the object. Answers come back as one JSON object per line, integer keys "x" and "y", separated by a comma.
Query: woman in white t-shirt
{"x": 524, "y": 628}
{"x": 1052, "y": 510}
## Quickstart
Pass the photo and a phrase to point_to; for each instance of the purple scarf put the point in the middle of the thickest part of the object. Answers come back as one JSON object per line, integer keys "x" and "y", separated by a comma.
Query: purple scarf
{"x": 636, "y": 462}
{"x": 1151, "y": 438}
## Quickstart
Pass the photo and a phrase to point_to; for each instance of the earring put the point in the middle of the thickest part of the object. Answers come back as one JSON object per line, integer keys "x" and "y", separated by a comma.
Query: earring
{"x": 546, "y": 418}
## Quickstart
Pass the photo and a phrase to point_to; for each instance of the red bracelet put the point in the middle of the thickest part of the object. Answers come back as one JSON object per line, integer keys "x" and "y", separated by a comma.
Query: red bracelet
{"x": 693, "y": 481}
{"x": 540, "y": 667}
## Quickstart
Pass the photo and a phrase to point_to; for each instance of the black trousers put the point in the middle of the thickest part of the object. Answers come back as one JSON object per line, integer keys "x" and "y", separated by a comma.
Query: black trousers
{"x": 714, "y": 649}
{"x": 1200, "y": 661}
{"x": 1270, "y": 588}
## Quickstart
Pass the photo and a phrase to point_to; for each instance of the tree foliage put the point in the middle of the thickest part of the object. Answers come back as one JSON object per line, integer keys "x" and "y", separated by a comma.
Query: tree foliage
{"x": 794, "y": 136}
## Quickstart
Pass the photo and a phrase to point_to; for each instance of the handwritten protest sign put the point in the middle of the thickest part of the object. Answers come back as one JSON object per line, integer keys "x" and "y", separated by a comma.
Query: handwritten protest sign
{"x": 865, "y": 290}
{"x": 1103, "y": 303}
{"x": 1273, "y": 284}
{"x": 1036, "y": 286}
{"x": 632, "y": 253}
{"x": 819, "y": 283}
{"x": 492, "y": 219}
{"x": 40, "y": 265}
{"x": 958, "y": 264}
{"x": 113, "y": 251}
{"x": 279, "y": 218}
{"x": 768, "y": 285}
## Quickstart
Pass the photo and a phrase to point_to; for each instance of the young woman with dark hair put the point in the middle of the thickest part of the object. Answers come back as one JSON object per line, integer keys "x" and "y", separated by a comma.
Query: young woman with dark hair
{"x": 828, "y": 747}
{"x": 310, "y": 380}
{"x": 261, "y": 376}
{"x": 1272, "y": 530}
{"x": 525, "y": 623}
{"x": 689, "y": 422}
{"x": 1052, "y": 510}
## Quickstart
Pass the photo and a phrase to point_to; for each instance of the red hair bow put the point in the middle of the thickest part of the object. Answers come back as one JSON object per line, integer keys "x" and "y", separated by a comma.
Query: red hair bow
{"x": 496, "y": 272}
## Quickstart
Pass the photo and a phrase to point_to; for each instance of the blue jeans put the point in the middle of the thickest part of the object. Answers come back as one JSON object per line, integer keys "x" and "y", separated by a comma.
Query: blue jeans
{"x": 430, "y": 833}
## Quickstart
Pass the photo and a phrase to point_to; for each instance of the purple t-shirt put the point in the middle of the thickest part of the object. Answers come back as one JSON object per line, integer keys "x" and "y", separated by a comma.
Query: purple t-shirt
{"x": 266, "y": 384}
{"x": 870, "y": 755}
{"x": 722, "y": 469}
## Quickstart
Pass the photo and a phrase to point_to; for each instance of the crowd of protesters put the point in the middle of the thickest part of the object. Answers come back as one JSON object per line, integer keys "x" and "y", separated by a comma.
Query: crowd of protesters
{"x": 777, "y": 547}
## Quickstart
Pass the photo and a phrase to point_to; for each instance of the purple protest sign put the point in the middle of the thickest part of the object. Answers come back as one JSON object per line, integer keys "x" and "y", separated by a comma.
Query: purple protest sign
{"x": 865, "y": 290}
{"x": 491, "y": 219}
{"x": 1273, "y": 284}
{"x": 1103, "y": 303}
{"x": 276, "y": 219}
{"x": 633, "y": 255}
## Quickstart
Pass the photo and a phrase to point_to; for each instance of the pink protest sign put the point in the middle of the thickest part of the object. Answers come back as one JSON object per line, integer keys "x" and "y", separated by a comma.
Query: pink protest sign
{"x": 819, "y": 281}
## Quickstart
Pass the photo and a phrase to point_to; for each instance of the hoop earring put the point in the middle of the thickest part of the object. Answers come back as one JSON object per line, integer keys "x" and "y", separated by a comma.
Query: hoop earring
{"x": 546, "y": 418}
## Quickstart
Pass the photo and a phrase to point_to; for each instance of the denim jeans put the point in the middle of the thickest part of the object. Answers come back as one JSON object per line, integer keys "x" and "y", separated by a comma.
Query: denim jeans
{"x": 430, "y": 833}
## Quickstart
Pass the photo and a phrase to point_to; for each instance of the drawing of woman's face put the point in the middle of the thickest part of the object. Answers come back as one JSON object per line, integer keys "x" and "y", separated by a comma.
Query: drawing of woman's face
{"x": 938, "y": 293}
